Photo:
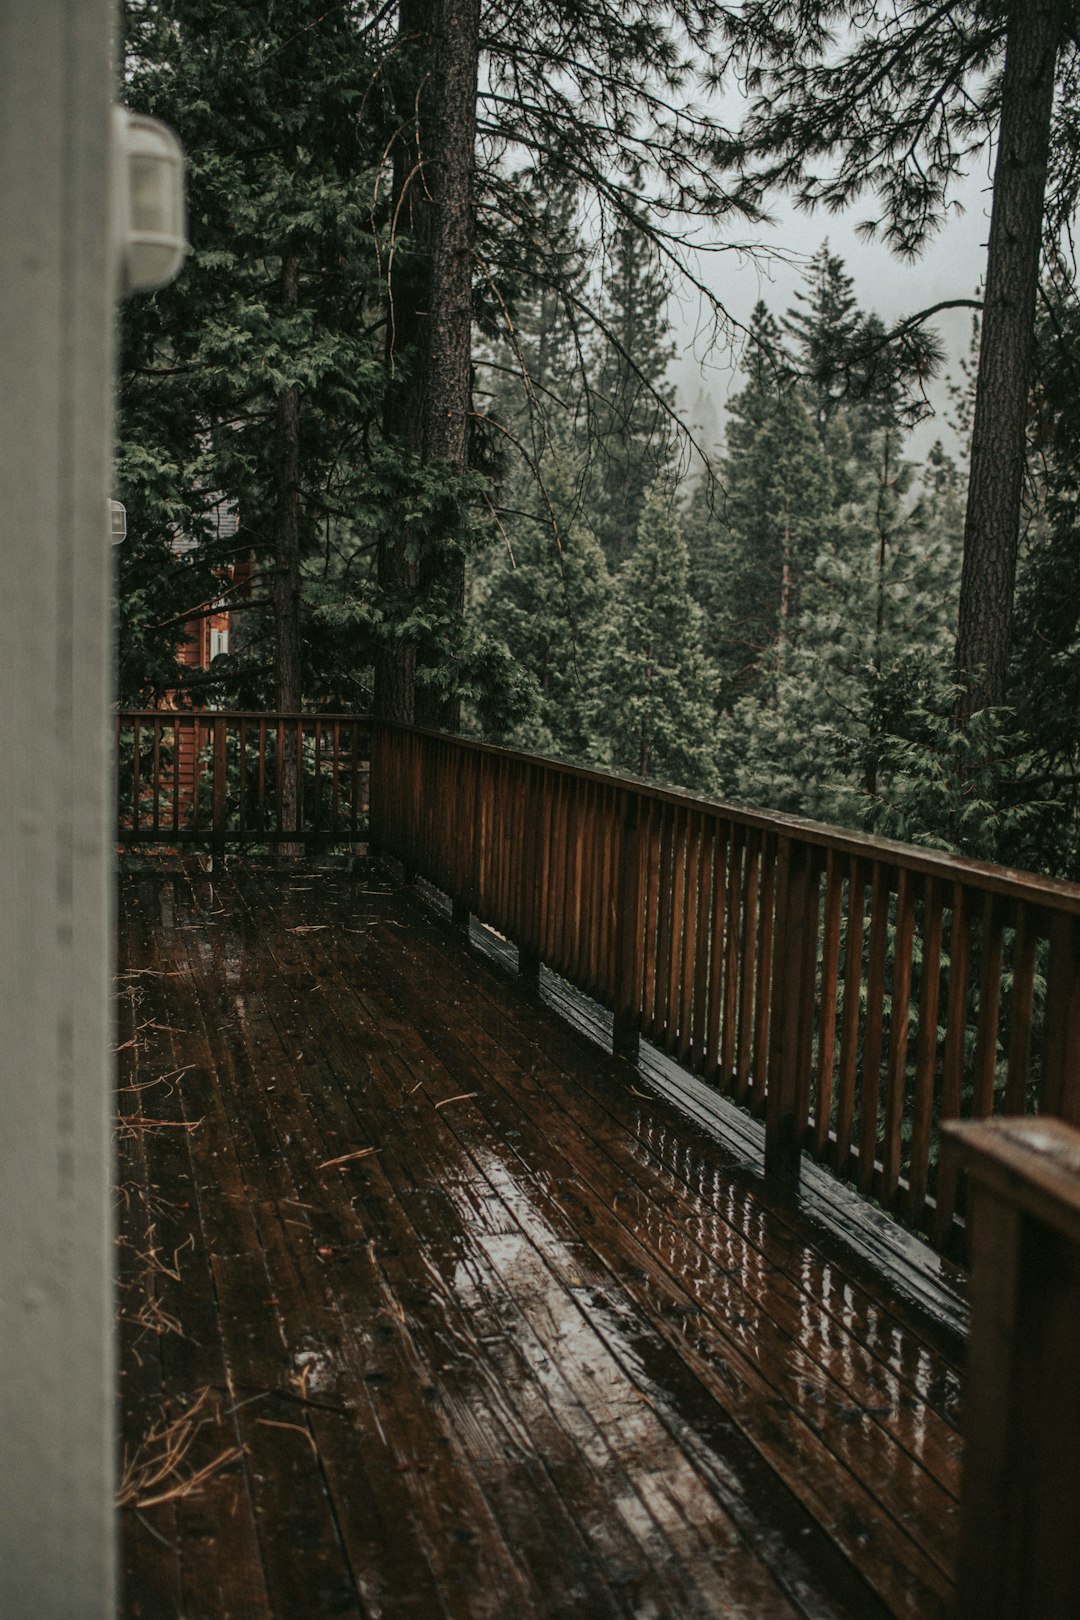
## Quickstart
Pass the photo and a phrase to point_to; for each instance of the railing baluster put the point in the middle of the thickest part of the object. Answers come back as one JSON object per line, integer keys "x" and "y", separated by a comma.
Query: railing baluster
{"x": 652, "y": 915}
{"x": 899, "y": 1024}
{"x": 952, "y": 1074}
{"x": 298, "y": 820}
{"x": 665, "y": 929}
{"x": 850, "y": 1017}
{"x": 830, "y": 968}
{"x": 628, "y": 932}
{"x": 989, "y": 1007}
{"x": 709, "y": 835}
{"x": 763, "y": 974}
{"x": 241, "y": 807}
{"x": 157, "y": 776}
{"x": 717, "y": 954}
{"x": 782, "y": 1089}
{"x": 680, "y": 838}
{"x": 136, "y": 789}
{"x": 220, "y": 735}
{"x": 335, "y": 777}
{"x": 748, "y": 986}
{"x": 1025, "y": 946}
{"x": 926, "y": 1051}
{"x": 176, "y": 778}
{"x": 870, "y": 1090}
{"x": 732, "y": 948}
{"x": 807, "y": 992}
{"x": 316, "y": 792}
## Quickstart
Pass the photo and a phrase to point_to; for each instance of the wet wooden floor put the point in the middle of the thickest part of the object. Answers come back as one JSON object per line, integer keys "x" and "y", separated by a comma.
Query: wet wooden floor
{"x": 458, "y": 1319}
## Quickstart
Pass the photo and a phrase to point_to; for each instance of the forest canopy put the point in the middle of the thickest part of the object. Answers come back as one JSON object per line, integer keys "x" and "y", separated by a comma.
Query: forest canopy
{"x": 408, "y": 412}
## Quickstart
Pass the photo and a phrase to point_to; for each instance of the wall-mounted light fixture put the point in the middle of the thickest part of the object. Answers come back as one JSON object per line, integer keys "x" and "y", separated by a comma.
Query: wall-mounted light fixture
{"x": 149, "y": 201}
{"x": 117, "y": 521}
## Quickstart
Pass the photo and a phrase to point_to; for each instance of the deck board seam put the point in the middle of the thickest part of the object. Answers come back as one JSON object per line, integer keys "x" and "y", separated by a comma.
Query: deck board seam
{"x": 739, "y": 1352}
{"x": 316, "y": 943}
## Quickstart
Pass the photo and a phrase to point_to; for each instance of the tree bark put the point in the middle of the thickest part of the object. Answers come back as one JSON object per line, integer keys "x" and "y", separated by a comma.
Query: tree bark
{"x": 429, "y": 339}
{"x": 286, "y": 588}
{"x": 407, "y": 301}
{"x": 450, "y": 171}
{"x": 991, "y": 531}
{"x": 286, "y": 591}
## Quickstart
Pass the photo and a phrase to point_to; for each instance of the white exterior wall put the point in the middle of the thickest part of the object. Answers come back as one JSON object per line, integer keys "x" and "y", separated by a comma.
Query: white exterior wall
{"x": 56, "y": 1356}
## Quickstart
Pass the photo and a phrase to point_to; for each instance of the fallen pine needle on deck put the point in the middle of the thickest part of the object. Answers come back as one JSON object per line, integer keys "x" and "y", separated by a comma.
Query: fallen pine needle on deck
{"x": 276, "y": 1423}
{"x": 345, "y": 1158}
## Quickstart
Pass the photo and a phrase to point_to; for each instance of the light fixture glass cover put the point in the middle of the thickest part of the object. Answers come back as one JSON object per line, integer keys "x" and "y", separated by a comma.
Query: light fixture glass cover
{"x": 151, "y": 224}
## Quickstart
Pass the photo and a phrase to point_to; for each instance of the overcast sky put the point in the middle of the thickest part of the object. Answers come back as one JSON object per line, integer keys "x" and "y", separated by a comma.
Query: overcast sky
{"x": 884, "y": 285}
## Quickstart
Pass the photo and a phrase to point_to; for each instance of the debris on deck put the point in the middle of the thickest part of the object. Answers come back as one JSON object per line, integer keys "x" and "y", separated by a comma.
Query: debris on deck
{"x": 547, "y": 1352}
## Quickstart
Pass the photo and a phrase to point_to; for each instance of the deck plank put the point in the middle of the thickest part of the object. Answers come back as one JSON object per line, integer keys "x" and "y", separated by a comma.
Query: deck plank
{"x": 546, "y": 1352}
{"x": 429, "y": 1158}
{"x": 686, "y": 1217}
{"x": 779, "y": 1375}
{"x": 212, "y": 1531}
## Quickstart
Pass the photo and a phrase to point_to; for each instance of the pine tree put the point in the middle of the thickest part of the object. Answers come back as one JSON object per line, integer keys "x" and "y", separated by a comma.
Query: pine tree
{"x": 779, "y": 496}
{"x": 549, "y": 598}
{"x": 833, "y": 723}
{"x": 599, "y": 94}
{"x": 848, "y": 374}
{"x": 635, "y": 401}
{"x": 1044, "y": 686}
{"x": 429, "y": 322}
{"x": 656, "y": 702}
{"x": 897, "y": 108}
{"x": 248, "y": 386}
{"x": 824, "y": 330}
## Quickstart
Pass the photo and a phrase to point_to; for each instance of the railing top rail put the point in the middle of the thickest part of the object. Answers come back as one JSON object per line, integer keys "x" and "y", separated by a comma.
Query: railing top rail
{"x": 306, "y": 715}
{"x": 1055, "y": 894}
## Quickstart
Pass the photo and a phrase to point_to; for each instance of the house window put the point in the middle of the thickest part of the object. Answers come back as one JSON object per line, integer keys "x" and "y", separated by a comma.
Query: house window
{"x": 219, "y": 643}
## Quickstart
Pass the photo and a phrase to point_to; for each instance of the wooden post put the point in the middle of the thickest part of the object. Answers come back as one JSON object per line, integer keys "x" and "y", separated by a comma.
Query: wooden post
{"x": 625, "y": 1035}
{"x": 57, "y": 1375}
{"x": 782, "y": 1146}
{"x": 1019, "y": 1551}
{"x": 219, "y": 801}
{"x": 532, "y": 875}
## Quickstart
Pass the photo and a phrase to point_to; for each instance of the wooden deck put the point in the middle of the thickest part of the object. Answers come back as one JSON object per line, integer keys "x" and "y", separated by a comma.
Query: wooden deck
{"x": 537, "y": 1345}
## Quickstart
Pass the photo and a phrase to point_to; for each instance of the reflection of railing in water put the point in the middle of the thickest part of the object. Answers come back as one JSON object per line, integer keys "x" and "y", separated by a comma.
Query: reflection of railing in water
{"x": 850, "y": 991}
{"x": 213, "y": 778}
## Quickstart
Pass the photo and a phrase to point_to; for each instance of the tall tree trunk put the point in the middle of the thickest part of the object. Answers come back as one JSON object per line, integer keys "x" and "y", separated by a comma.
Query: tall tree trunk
{"x": 286, "y": 590}
{"x": 991, "y": 530}
{"x": 408, "y": 296}
{"x": 450, "y": 171}
{"x": 430, "y": 330}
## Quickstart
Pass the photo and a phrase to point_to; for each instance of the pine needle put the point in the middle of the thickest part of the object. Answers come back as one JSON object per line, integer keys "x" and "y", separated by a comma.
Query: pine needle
{"x": 345, "y": 1158}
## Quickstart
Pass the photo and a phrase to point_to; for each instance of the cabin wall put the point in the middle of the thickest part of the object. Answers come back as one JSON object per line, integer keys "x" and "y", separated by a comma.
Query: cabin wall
{"x": 56, "y": 1356}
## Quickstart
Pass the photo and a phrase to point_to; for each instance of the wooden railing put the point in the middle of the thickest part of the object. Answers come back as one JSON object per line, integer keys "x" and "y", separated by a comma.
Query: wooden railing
{"x": 851, "y": 992}
{"x": 213, "y": 778}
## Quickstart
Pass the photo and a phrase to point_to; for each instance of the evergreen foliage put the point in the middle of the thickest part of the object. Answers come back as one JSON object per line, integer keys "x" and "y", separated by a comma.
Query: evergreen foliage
{"x": 549, "y": 599}
{"x": 279, "y": 170}
{"x": 655, "y": 702}
{"x": 823, "y": 732}
{"x": 780, "y": 499}
{"x": 895, "y": 100}
{"x": 1044, "y": 687}
{"x": 635, "y": 401}
{"x": 783, "y": 631}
